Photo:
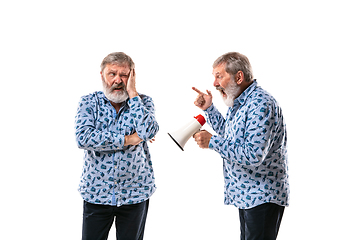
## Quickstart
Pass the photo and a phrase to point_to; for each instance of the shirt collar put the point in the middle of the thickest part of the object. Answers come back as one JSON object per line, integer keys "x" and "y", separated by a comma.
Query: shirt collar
{"x": 243, "y": 96}
{"x": 102, "y": 95}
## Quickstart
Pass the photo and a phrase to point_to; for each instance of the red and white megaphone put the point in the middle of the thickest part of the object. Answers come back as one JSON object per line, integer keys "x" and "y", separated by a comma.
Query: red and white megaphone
{"x": 182, "y": 135}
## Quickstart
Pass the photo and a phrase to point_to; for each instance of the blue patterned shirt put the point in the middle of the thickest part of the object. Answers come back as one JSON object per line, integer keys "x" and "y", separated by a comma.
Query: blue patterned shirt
{"x": 252, "y": 142}
{"x": 114, "y": 174}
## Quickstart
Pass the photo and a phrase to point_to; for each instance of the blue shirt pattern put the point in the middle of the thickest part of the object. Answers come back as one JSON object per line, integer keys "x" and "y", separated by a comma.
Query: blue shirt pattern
{"x": 252, "y": 142}
{"x": 114, "y": 174}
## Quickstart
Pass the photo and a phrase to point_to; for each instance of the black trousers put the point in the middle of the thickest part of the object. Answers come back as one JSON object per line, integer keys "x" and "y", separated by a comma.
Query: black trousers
{"x": 261, "y": 222}
{"x": 129, "y": 221}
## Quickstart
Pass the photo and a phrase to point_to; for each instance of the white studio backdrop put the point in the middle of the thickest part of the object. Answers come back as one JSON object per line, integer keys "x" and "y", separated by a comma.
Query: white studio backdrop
{"x": 305, "y": 54}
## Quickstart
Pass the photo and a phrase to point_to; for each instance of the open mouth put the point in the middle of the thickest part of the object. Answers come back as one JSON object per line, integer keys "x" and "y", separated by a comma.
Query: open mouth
{"x": 118, "y": 89}
{"x": 222, "y": 91}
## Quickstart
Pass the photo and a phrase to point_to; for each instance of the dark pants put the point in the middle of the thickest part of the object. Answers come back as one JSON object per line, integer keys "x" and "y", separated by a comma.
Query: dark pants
{"x": 129, "y": 221}
{"x": 261, "y": 222}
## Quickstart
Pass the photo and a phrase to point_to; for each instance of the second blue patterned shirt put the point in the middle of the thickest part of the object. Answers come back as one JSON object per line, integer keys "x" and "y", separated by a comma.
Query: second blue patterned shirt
{"x": 253, "y": 144}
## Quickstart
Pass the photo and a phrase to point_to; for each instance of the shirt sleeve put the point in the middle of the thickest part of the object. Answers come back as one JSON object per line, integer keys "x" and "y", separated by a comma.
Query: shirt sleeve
{"x": 215, "y": 120}
{"x": 143, "y": 111}
{"x": 90, "y": 138}
{"x": 251, "y": 145}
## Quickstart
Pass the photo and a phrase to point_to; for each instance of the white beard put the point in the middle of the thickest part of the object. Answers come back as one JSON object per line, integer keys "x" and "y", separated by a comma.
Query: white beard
{"x": 231, "y": 91}
{"x": 116, "y": 97}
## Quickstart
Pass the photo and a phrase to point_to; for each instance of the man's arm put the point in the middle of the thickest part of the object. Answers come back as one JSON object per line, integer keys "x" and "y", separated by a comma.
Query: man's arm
{"x": 143, "y": 112}
{"x": 215, "y": 119}
{"x": 252, "y": 146}
{"x": 90, "y": 138}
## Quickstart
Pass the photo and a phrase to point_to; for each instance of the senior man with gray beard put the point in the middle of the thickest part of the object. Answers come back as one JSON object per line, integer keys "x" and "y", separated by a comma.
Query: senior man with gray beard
{"x": 253, "y": 145}
{"x": 113, "y": 127}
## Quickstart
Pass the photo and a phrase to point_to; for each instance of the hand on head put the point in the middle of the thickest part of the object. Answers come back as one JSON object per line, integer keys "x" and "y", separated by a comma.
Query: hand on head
{"x": 131, "y": 84}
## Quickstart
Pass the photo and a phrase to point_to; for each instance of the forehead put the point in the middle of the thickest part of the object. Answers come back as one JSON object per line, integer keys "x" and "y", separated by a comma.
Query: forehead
{"x": 117, "y": 67}
{"x": 219, "y": 69}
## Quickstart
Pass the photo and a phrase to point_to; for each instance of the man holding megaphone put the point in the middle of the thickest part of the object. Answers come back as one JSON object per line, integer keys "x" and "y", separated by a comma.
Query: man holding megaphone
{"x": 252, "y": 142}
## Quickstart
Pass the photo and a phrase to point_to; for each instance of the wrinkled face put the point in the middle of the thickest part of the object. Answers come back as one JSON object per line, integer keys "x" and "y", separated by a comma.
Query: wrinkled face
{"x": 115, "y": 78}
{"x": 226, "y": 85}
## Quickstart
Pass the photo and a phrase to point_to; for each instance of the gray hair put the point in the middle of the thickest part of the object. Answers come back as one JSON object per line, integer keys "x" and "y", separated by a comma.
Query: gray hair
{"x": 118, "y": 58}
{"x": 235, "y": 62}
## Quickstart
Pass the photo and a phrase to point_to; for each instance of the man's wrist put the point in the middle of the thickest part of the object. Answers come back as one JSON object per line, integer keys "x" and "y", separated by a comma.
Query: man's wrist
{"x": 133, "y": 94}
{"x": 126, "y": 141}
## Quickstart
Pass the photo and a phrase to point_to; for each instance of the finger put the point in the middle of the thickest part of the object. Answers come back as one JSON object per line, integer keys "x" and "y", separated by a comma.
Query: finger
{"x": 197, "y": 90}
{"x": 209, "y": 93}
{"x": 200, "y": 100}
{"x": 133, "y": 73}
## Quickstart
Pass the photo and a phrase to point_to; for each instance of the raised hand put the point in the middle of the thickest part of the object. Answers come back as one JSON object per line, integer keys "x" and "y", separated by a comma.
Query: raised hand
{"x": 203, "y": 101}
{"x": 131, "y": 85}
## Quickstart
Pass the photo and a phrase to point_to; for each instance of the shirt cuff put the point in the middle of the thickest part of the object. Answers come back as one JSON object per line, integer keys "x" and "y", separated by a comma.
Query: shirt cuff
{"x": 134, "y": 102}
{"x": 214, "y": 143}
{"x": 210, "y": 109}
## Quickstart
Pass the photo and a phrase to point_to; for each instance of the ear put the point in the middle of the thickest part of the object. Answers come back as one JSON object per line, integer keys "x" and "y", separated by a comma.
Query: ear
{"x": 239, "y": 77}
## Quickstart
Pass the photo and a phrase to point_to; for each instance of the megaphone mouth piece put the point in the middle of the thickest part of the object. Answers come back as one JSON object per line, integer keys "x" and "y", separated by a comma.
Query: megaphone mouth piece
{"x": 200, "y": 119}
{"x": 176, "y": 142}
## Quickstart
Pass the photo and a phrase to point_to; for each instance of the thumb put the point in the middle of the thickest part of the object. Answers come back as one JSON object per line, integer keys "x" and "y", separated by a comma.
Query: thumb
{"x": 209, "y": 93}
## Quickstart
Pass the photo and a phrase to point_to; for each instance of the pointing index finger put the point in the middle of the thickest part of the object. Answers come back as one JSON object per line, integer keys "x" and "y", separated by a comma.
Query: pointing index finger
{"x": 197, "y": 90}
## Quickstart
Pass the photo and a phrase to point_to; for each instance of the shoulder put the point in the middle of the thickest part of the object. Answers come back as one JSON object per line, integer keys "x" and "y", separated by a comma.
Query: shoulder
{"x": 262, "y": 104}
{"x": 260, "y": 97}
{"x": 92, "y": 99}
{"x": 92, "y": 96}
{"x": 144, "y": 96}
{"x": 146, "y": 99}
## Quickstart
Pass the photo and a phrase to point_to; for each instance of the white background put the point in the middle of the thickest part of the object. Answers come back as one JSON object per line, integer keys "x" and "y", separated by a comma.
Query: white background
{"x": 306, "y": 54}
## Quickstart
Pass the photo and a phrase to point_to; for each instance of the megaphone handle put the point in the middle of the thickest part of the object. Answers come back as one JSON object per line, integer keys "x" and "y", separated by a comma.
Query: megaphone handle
{"x": 199, "y": 130}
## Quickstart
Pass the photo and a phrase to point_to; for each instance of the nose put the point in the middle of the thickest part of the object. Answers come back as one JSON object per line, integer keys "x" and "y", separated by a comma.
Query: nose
{"x": 117, "y": 79}
{"x": 216, "y": 83}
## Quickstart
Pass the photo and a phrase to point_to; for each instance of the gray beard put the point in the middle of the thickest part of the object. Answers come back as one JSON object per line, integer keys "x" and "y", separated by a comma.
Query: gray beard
{"x": 116, "y": 97}
{"x": 231, "y": 93}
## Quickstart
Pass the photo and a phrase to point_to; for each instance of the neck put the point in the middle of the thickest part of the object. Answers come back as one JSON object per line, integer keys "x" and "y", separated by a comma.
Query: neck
{"x": 116, "y": 106}
{"x": 244, "y": 85}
